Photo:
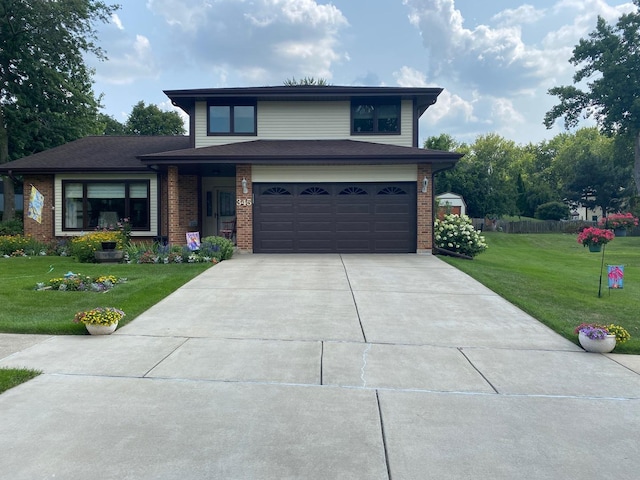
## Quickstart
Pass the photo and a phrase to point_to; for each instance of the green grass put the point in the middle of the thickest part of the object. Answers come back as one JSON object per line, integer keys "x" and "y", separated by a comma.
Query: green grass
{"x": 556, "y": 280}
{"x": 25, "y": 310}
{"x": 11, "y": 377}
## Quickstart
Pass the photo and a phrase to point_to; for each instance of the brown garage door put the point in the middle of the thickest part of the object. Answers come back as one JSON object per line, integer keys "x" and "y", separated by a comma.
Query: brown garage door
{"x": 334, "y": 217}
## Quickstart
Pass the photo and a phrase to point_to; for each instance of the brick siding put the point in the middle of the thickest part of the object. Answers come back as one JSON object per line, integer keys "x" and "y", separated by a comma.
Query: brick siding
{"x": 425, "y": 210}
{"x": 44, "y": 231}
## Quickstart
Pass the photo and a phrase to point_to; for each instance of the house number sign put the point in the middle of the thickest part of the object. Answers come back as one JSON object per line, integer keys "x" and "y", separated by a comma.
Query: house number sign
{"x": 246, "y": 202}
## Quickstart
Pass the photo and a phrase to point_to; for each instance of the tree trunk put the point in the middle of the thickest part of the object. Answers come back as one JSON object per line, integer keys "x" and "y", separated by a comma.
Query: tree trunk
{"x": 9, "y": 191}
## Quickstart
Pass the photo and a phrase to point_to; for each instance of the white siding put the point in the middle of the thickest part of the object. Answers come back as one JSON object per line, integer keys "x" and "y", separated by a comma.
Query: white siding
{"x": 333, "y": 173}
{"x": 153, "y": 200}
{"x": 305, "y": 121}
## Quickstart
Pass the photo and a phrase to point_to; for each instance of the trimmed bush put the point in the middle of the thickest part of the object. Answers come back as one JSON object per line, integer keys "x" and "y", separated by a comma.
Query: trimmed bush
{"x": 552, "y": 211}
{"x": 224, "y": 250}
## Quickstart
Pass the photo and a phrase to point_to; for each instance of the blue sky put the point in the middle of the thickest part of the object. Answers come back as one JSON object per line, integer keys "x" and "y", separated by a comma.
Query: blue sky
{"x": 495, "y": 59}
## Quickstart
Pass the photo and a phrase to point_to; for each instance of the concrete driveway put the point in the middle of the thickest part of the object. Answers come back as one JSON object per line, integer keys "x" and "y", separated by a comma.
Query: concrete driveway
{"x": 322, "y": 367}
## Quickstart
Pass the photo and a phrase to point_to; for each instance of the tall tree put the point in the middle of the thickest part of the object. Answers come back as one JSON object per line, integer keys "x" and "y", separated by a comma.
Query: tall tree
{"x": 150, "y": 120}
{"x": 46, "y": 96}
{"x": 608, "y": 62}
{"x": 292, "y": 82}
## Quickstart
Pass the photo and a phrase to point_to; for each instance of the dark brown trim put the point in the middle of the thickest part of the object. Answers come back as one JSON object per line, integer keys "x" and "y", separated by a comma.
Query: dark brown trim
{"x": 232, "y": 132}
{"x": 376, "y": 103}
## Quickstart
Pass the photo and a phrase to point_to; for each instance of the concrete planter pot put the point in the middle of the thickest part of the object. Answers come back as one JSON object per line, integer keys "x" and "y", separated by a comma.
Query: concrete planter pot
{"x": 101, "y": 329}
{"x": 604, "y": 345}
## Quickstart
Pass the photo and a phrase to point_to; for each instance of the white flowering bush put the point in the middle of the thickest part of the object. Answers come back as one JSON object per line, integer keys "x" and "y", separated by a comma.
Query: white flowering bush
{"x": 456, "y": 234}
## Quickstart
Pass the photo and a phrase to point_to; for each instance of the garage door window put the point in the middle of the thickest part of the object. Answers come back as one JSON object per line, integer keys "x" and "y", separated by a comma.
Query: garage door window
{"x": 392, "y": 191}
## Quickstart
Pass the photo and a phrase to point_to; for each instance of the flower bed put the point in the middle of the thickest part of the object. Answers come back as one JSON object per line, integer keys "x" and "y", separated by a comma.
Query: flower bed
{"x": 75, "y": 282}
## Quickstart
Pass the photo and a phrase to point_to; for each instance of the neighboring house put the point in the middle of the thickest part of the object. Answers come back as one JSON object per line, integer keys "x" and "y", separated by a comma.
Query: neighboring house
{"x": 293, "y": 168}
{"x": 451, "y": 203}
{"x": 581, "y": 212}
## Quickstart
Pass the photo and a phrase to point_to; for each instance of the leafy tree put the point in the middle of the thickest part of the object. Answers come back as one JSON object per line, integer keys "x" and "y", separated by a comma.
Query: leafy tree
{"x": 109, "y": 125}
{"x": 608, "y": 61}
{"x": 292, "y": 82}
{"x": 150, "y": 120}
{"x": 444, "y": 142}
{"x": 591, "y": 177}
{"x": 46, "y": 96}
{"x": 485, "y": 176}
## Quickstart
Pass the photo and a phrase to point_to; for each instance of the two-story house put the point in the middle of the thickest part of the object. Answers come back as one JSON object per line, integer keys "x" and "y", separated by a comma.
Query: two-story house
{"x": 294, "y": 169}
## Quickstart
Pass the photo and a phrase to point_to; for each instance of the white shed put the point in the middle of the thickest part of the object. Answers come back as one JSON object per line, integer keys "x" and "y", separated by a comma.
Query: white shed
{"x": 451, "y": 203}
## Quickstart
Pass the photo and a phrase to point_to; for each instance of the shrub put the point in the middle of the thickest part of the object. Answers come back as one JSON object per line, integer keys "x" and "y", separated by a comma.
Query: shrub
{"x": 224, "y": 250}
{"x": 11, "y": 227}
{"x": 455, "y": 233}
{"x": 20, "y": 245}
{"x": 552, "y": 211}
{"x": 84, "y": 247}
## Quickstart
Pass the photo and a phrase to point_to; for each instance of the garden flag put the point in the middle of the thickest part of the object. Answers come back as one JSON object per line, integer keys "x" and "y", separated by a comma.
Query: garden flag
{"x": 616, "y": 275}
{"x": 193, "y": 240}
{"x": 36, "y": 202}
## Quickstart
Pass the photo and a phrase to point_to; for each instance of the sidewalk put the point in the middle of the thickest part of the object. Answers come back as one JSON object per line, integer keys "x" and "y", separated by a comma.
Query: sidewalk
{"x": 321, "y": 367}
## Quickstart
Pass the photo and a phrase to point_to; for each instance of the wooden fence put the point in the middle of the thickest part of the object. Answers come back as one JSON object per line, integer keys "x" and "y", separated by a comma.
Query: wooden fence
{"x": 546, "y": 226}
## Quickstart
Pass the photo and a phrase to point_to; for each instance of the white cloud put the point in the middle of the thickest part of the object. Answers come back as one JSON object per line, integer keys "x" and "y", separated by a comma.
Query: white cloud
{"x": 518, "y": 16}
{"x": 265, "y": 41}
{"x": 116, "y": 21}
{"x": 132, "y": 60}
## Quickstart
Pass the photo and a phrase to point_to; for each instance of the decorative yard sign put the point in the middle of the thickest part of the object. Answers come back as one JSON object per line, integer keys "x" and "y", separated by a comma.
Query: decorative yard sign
{"x": 36, "y": 202}
{"x": 193, "y": 240}
{"x": 615, "y": 273}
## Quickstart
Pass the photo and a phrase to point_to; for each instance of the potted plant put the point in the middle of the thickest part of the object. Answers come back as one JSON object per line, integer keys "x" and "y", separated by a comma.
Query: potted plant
{"x": 619, "y": 222}
{"x": 100, "y": 320}
{"x": 594, "y": 337}
{"x": 594, "y": 238}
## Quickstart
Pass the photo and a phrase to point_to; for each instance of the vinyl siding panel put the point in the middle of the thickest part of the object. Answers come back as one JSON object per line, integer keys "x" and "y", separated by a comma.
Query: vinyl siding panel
{"x": 333, "y": 173}
{"x": 153, "y": 200}
{"x": 305, "y": 121}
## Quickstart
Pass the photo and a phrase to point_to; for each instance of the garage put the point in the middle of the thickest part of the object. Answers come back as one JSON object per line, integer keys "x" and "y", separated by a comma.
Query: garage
{"x": 335, "y": 217}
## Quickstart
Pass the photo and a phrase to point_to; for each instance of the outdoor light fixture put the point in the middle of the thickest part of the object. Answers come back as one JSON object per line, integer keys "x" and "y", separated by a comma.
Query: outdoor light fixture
{"x": 425, "y": 184}
{"x": 244, "y": 186}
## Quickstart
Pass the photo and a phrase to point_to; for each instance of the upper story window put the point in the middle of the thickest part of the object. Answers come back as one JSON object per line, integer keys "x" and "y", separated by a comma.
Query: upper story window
{"x": 375, "y": 117}
{"x": 231, "y": 120}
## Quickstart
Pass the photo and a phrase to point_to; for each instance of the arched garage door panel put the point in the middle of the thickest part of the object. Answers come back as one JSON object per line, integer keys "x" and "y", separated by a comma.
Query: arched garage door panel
{"x": 334, "y": 217}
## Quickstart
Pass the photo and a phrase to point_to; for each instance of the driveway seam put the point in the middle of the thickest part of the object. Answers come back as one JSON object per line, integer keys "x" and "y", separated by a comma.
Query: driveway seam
{"x": 477, "y": 370}
{"x": 355, "y": 303}
{"x": 384, "y": 437}
{"x": 164, "y": 358}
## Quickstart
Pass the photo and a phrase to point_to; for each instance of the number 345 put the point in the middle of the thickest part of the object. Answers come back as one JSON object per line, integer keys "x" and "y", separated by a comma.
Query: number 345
{"x": 244, "y": 202}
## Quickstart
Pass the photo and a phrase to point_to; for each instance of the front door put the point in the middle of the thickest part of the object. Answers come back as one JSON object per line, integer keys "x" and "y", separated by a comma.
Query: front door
{"x": 219, "y": 204}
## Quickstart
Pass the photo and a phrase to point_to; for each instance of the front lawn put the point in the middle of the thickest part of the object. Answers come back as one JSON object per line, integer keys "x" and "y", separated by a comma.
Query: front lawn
{"x": 11, "y": 377}
{"x": 556, "y": 280}
{"x": 26, "y": 310}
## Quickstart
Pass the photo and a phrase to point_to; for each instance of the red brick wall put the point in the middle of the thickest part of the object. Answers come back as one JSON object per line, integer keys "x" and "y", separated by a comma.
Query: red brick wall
{"x": 41, "y": 231}
{"x": 173, "y": 205}
{"x": 182, "y": 205}
{"x": 425, "y": 209}
{"x": 188, "y": 211}
{"x": 244, "y": 212}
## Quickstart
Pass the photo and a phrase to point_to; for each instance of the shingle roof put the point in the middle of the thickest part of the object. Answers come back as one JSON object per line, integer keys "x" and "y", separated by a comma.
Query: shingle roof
{"x": 96, "y": 153}
{"x": 135, "y": 153}
{"x": 302, "y": 151}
